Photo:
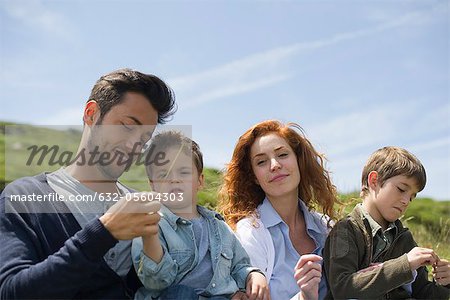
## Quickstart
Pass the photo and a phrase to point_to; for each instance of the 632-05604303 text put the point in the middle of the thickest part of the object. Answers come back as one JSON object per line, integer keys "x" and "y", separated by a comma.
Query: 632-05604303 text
{"x": 161, "y": 197}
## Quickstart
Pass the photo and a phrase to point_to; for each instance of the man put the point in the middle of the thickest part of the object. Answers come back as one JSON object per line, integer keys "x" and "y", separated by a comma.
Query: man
{"x": 70, "y": 249}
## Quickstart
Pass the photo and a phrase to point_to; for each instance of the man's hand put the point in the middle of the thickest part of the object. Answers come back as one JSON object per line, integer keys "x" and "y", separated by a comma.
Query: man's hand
{"x": 307, "y": 274}
{"x": 257, "y": 287}
{"x": 132, "y": 216}
{"x": 419, "y": 257}
{"x": 239, "y": 296}
{"x": 441, "y": 272}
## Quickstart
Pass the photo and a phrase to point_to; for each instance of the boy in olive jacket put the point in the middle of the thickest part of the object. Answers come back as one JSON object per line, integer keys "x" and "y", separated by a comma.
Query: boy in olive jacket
{"x": 369, "y": 254}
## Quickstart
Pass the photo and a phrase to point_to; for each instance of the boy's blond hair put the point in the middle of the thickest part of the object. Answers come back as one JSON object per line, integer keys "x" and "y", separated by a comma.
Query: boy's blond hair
{"x": 175, "y": 139}
{"x": 393, "y": 161}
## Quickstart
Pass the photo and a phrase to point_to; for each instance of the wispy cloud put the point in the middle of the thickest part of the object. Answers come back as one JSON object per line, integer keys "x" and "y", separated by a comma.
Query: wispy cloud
{"x": 267, "y": 68}
{"x": 68, "y": 116}
{"x": 431, "y": 145}
{"x": 20, "y": 70}
{"x": 22, "y": 74}
{"x": 35, "y": 14}
{"x": 244, "y": 75}
{"x": 250, "y": 73}
{"x": 349, "y": 138}
{"x": 355, "y": 130}
{"x": 420, "y": 149}
{"x": 236, "y": 89}
{"x": 435, "y": 117}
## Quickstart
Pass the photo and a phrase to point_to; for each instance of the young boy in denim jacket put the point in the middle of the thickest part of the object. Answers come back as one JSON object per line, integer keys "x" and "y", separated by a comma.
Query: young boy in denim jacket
{"x": 196, "y": 255}
{"x": 369, "y": 254}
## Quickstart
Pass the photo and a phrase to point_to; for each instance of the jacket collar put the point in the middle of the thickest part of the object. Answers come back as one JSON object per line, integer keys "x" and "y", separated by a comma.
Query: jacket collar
{"x": 358, "y": 214}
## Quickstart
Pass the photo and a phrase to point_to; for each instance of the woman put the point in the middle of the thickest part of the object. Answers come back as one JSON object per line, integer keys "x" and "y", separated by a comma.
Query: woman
{"x": 274, "y": 181}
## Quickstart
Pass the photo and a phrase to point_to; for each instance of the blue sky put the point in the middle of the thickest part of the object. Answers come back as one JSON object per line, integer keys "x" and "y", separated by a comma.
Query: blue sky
{"x": 356, "y": 75}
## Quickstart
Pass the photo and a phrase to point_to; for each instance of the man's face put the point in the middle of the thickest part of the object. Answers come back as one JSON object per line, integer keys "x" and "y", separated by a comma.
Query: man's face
{"x": 122, "y": 133}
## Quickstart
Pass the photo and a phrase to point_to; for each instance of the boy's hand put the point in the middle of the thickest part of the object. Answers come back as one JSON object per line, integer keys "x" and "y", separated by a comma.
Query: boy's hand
{"x": 419, "y": 257}
{"x": 257, "y": 287}
{"x": 308, "y": 273}
{"x": 441, "y": 272}
{"x": 132, "y": 216}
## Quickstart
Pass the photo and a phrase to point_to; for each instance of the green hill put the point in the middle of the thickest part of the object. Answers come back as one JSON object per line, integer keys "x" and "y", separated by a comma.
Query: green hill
{"x": 15, "y": 148}
{"x": 428, "y": 220}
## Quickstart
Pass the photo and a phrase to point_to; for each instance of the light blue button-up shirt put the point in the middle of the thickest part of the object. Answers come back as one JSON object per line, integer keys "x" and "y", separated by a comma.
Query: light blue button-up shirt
{"x": 282, "y": 283}
{"x": 230, "y": 262}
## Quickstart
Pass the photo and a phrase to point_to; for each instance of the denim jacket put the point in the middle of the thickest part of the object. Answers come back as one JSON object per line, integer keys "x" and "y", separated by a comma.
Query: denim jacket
{"x": 230, "y": 262}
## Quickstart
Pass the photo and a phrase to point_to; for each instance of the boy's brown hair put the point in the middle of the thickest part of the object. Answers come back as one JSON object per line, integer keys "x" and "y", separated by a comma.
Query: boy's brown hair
{"x": 393, "y": 161}
{"x": 175, "y": 139}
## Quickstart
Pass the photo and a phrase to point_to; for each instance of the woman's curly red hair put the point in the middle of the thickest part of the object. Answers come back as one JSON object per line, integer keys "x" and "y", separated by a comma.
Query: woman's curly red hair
{"x": 239, "y": 195}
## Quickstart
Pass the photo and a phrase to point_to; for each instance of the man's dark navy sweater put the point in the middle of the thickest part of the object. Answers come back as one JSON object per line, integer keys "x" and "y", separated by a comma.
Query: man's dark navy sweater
{"x": 48, "y": 255}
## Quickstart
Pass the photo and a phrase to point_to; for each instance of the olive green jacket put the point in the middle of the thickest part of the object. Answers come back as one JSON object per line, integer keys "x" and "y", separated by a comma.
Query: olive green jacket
{"x": 348, "y": 249}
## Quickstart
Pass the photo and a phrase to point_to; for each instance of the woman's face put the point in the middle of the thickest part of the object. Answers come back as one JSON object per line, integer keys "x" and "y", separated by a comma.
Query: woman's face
{"x": 275, "y": 166}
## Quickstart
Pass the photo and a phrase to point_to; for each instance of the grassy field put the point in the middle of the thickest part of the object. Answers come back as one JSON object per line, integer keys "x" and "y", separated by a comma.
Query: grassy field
{"x": 429, "y": 220}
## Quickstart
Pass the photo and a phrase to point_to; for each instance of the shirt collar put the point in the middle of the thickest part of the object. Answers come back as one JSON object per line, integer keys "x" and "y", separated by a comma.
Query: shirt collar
{"x": 169, "y": 216}
{"x": 268, "y": 214}
{"x": 374, "y": 224}
{"x": 172, "y": 218}
{"x": 270, "y": 217}
{"x": 311, "y": 224}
